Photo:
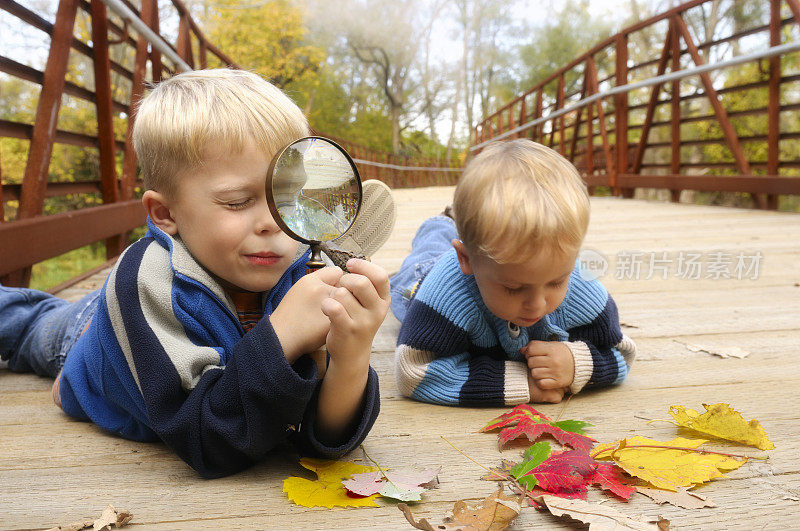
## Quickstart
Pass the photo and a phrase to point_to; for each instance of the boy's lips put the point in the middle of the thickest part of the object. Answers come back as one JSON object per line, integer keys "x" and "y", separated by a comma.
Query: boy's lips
{"x": 263, "y": 258}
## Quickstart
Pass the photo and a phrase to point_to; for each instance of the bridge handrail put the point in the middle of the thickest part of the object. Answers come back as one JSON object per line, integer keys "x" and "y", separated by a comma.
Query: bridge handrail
{"x": 598, "y": 132}
{"x": 32, "y": 236}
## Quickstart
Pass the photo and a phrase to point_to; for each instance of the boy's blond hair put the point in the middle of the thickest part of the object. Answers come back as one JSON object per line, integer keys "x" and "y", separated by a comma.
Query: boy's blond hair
{"x": 518, "y": 197}
{"x": 185, "y": 115}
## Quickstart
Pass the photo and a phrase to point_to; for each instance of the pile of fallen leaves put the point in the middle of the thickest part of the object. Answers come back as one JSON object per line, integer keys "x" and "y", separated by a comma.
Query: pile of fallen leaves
{"x": 555, "y": 480}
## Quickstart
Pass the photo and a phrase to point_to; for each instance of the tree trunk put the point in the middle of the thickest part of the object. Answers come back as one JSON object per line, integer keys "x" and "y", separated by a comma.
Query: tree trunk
{"x": 396, "y": 110}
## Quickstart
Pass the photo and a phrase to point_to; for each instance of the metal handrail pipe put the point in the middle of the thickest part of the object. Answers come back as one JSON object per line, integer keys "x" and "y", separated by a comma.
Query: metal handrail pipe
{"x": 404, "y": 168}
{"x": 144, "y": 30}
{"x": 665, "y": 78}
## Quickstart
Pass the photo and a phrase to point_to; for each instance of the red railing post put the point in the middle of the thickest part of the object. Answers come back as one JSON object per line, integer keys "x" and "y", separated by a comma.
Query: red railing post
{"x": 675, "y": 114}
{"x": 774, "y": 104}
{"x": 105, "y": 119}
{"x": 621, "y": 116}
{"x": 184, "y": 44}
{"x": 34, "y": 181}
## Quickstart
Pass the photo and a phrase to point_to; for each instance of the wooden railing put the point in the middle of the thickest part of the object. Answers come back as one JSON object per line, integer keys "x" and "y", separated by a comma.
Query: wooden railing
{"x": 723, "y": 134}
{"x": 122, "y": 62}
{"x": 399, "y": 171}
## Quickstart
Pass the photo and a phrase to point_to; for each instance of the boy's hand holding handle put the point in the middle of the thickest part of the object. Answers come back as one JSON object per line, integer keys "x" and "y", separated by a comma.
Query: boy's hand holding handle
{"x": 356, "y": 309}
{"x": 298, "y": 321}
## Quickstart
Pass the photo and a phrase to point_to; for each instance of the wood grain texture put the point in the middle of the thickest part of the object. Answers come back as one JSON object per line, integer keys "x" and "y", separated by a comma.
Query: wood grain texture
{"x": 55, "y": 470}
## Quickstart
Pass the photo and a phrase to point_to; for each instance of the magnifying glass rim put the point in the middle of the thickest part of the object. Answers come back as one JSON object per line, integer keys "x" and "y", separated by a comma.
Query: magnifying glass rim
{"x": 273, "y": 208}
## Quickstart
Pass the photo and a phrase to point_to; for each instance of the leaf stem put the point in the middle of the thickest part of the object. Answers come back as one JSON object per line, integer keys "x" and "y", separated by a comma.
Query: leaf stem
{"x": 513, "y": 480}
{"x": 377, "y": 465}
{"x": 687, "y": 449}
{"x": 563, "y": 408}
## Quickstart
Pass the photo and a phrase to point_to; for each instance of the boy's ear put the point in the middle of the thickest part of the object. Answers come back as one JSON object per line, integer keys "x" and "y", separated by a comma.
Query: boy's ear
{"x": 157, "y": 207}
{"x": 463, "y": 257}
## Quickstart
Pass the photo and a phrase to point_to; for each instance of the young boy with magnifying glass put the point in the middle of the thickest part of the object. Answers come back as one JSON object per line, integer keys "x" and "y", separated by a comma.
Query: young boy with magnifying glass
{"x": 168, "y": 348}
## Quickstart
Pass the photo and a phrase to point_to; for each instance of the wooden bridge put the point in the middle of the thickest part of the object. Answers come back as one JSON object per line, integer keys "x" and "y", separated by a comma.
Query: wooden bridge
{"x": 56, "y": 471}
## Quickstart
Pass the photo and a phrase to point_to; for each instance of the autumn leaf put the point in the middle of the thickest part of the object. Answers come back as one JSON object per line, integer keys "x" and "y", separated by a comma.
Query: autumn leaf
{"x": 533, "y": 457}
{"x": 565, "y": 472}
{"x": 682, "y": 498}
{"x": 599, "y": 517}
{"x": 398, "y": 485}
{"x": 611, "y": 478}
{"x": 494, "y": 513}
{"x": 327, "y": 490}
{"x": 668, "y": 464}
{"x": 525, "y": 420}
{"x": 721, "y": 421}
{"x": 110, "y": 518}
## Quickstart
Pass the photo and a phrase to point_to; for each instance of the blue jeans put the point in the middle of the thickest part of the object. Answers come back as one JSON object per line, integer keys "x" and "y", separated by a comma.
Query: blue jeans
{"x": 38, "y": 329}
{"x": 429, "y": 244}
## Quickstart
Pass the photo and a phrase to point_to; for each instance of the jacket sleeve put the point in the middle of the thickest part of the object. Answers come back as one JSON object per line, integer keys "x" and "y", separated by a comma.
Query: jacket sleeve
{"x": 307, "y": 441}
{"x": 218, "y": 418}
{"x": 602, "y": 353}
{"x": 436, "y": 362}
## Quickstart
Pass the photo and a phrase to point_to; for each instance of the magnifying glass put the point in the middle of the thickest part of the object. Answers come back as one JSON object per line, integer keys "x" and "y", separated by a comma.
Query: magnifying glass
{"x": 314, "y": 194}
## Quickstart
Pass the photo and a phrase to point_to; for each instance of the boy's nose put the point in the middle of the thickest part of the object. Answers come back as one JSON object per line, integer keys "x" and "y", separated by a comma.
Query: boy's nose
{"x": 535, "y": 303}
{"x": 266, "y": 223}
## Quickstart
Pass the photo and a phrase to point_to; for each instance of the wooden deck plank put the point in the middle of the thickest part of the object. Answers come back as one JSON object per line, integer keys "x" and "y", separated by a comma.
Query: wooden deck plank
{"x": 55, "y": 470}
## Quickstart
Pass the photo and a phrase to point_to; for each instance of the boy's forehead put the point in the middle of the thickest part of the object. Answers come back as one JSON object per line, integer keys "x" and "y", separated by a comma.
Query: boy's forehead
{"x": 543, "y": 266}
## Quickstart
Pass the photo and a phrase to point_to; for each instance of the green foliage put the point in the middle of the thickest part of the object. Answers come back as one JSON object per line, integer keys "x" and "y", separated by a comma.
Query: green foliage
{"x": 54, "y": 271}
{"x": 267, "y": 38}
{"x": 571, "y": 32}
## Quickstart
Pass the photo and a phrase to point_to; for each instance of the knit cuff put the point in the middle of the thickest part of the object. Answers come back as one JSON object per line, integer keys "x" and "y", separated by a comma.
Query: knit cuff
{"x": 516, "y": 383}
{"x": 583, "y": 364}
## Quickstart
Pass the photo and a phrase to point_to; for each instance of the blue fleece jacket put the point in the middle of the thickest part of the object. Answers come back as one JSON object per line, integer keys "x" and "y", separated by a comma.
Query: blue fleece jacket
{"x": 165, "y": 357}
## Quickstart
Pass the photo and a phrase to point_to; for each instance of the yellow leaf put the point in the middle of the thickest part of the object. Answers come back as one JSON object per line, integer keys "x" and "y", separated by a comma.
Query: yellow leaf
{"x": 327, "y": 490}
{"x": 667, "y": 464}
{"x": 720, "y": 420}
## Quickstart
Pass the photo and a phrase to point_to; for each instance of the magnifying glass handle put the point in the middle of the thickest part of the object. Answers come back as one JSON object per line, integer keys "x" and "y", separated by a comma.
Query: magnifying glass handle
{"x": 315, "y": 260}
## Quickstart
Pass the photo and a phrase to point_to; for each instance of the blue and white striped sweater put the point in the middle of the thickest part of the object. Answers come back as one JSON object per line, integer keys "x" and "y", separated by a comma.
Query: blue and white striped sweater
{"x": 166, "y": 358}
{"x": 452, "y": 350}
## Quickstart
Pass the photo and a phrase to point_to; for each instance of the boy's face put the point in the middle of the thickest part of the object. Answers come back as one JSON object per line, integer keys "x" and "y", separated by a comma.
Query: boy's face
{"x": 220, "y": 211}
{"x": 522, "y": 293}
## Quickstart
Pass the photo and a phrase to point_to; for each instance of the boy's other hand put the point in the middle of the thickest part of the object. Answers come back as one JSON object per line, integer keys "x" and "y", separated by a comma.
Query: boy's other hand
{"x": 551, "y": 364}
{"x": 298, "y": 321}
{"x": 356, "y": 309}
{"x": 539, "y": 395}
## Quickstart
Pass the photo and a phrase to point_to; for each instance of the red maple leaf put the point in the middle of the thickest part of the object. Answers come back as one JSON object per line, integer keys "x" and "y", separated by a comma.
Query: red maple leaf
{"x": 534, "y": 430}
{"x": 565, "y": 472}
{"x": 524, "y": 420}
{"x": 569, "y": 475}
{"x": 522, "y": 411}
{"x": 610, "y": 477}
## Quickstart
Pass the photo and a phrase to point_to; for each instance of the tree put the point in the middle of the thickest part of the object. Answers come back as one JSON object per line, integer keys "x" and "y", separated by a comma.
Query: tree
{"x": 266, "y": 37}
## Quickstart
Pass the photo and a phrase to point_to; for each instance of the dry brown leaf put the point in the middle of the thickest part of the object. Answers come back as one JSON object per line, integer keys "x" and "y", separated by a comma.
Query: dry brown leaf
{"x": 722, "y": 352}
{"x": 110, "y": 517}
{"x": 681, "y": 498}
{"x": 599, "y": 517}
{"x": 494, "y": 513}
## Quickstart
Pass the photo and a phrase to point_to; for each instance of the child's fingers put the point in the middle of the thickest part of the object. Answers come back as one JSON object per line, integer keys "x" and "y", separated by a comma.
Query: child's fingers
{"x": 335, "y": 311}
{"x": 328, "y": 275}
{"x": 548, "y": 383}
{"x": 348, "y": 301}
{"x": 375, "y": 273}
{"x": 539, "y": 373}
{"x": 362, "y": 289}
{"x": 535, "y": 362}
